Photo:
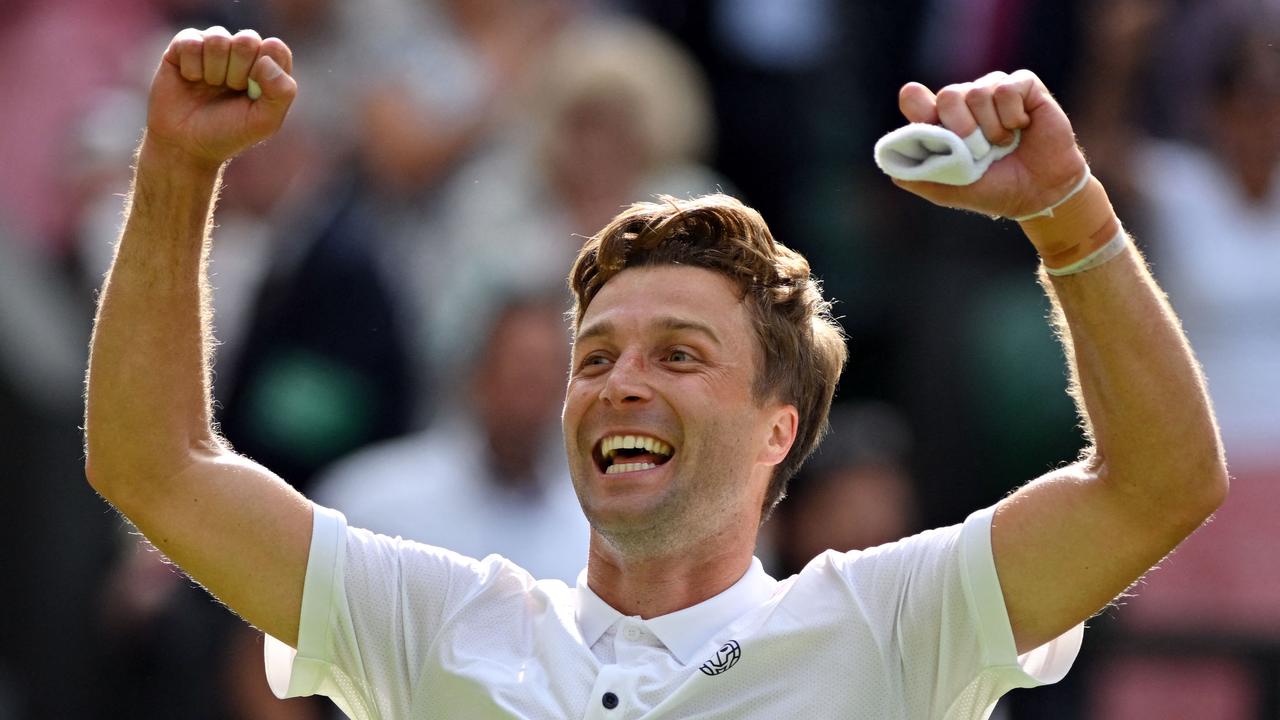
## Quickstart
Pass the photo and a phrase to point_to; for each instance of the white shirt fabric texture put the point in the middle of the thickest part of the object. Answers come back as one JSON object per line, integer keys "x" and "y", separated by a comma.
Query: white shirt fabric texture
{"x": 436, "y": 487}
{"x": 911, "y": 630}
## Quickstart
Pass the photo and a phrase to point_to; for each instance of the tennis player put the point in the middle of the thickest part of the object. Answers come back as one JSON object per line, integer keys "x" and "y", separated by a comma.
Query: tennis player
{"x": 703, "y": 367}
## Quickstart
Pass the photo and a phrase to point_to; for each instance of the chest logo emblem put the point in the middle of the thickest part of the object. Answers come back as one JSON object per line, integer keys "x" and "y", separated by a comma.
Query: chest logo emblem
{"x": 726, "y": 657}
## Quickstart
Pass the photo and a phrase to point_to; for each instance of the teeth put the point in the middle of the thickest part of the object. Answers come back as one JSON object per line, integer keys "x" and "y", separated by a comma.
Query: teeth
{"x": 614, "y": 443}
{"x": 628, "y": 467}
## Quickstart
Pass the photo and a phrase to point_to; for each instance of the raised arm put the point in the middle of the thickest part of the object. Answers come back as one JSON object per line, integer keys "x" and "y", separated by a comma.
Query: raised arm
{"x": 151, "y": 448}
{"x": 1068, "y": 543}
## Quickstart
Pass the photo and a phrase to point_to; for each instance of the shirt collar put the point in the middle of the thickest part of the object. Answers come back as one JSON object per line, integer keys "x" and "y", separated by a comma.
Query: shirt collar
{"x": 683, "y": 631}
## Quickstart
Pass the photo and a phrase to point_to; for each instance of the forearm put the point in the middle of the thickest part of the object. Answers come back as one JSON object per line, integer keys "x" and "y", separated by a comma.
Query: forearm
{"x": 1066, "y": 544}
{"x": 1139, "y": 388}
{"x": 148, "y": 403}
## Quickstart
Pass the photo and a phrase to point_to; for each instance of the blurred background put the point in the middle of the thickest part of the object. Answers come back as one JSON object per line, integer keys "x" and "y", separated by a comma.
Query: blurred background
{"x": 389, "y": 274}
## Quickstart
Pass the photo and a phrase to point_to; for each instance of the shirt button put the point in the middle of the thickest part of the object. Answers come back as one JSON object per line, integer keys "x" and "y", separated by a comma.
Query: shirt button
{"x": 609, "y": 701}
{"x": 633, "y": 633}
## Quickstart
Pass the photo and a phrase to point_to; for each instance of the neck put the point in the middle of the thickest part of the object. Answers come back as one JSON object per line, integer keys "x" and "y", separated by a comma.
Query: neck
{"x": 660, "y": 584}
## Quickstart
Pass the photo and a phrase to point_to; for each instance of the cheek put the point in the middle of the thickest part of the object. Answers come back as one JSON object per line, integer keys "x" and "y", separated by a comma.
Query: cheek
{"x": 722, "y": 432}
{"x": 577, "y": 399}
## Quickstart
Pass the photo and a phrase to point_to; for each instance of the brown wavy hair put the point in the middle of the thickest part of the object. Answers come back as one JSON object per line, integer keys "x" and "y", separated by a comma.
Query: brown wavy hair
{"x": 802, "y": 346}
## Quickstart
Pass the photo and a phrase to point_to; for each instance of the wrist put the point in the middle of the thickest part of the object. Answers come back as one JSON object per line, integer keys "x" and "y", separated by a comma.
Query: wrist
{"x": 1074, "y": 229}
{"x": 177, "y": 164}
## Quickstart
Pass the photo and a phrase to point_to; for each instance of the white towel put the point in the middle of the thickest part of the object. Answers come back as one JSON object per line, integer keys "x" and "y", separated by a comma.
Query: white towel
{"x": 935, "y": 154}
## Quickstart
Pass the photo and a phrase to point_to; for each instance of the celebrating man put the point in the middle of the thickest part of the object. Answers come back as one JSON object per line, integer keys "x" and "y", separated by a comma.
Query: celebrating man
{"x": 703, "y": 367}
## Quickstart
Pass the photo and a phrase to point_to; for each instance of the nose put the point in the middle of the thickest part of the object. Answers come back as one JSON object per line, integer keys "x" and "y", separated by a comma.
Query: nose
{"x": 627, "y": 381}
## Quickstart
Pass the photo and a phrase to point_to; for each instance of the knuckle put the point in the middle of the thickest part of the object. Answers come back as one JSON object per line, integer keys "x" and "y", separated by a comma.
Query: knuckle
{"x": 978, "y": 96}
{"x": 276, "y": 45}
{"x": 244, "y": 45}
{"x": 217, "y": 43}
{"x": 1005, "y": 91}
{"x": 951, "y": 95}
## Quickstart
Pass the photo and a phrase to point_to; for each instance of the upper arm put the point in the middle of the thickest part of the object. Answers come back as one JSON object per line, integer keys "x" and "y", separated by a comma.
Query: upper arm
{"x": 237, "y": 529}
{"x": 1070, "y": 542}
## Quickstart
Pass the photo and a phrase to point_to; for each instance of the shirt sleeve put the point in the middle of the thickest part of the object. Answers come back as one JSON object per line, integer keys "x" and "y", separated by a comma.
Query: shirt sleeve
{"x": 939, "y": 599}
{"x": 372, "y": 606}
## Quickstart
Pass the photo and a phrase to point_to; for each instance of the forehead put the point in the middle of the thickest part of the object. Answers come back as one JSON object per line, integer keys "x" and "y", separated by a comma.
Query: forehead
{"x": 644, "y": 296}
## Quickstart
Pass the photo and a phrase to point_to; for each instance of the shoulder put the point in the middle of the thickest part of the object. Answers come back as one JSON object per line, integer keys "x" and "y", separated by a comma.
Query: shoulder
{"x": 920, "y": 567}
{"x": 417, "y": 569}
{"x": 909, "y": 553}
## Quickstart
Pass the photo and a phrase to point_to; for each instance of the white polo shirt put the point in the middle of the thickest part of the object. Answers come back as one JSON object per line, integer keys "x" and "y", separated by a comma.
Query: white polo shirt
{"x": 911, "y": 630}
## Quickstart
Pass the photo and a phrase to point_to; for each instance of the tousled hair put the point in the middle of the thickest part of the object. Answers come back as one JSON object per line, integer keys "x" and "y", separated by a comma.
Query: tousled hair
{"x": 801, "y": 344}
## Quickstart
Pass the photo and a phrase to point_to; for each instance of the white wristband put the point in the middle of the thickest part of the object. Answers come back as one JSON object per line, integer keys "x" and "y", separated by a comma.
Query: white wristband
{"x": 1048, "y": 212}
{"x": 1113, "y": 248}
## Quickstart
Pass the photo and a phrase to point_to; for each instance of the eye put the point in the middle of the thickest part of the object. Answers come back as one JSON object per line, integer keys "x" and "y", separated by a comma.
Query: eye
{"x": 594, "y": 360}
{"x": 679, "y": 356}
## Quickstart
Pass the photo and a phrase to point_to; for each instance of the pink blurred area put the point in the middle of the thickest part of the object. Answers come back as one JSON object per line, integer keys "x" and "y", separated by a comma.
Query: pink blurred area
{"x": 1174, "y": 689}
{"x": 56, "y": 55}
{"x": 1226, "y": 577}
{"x": 1218, "y": 598}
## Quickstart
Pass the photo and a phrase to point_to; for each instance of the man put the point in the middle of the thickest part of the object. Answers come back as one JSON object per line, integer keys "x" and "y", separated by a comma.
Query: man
{"x": 702, "y": 370}
{"x": 488, "y": 475}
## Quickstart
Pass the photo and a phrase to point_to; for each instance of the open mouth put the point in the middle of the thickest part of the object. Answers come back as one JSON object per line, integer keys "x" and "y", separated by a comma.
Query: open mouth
{"x": 631, "y": 453}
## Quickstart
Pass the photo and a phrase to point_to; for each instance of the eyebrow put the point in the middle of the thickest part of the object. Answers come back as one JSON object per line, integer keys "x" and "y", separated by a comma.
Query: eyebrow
{"x": 669, "y": 324}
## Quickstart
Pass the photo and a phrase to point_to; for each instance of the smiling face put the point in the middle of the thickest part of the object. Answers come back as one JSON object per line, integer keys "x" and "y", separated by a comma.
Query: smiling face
{"x": 667, "y": 443}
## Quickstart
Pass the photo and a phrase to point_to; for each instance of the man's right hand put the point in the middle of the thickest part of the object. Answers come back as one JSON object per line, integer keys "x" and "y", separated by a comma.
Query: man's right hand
{"x": 152, "y": 450}
{"x": 199, "y": 107}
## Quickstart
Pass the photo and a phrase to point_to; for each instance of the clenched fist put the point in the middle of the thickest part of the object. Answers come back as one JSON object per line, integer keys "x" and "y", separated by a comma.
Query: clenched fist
{"x": 1046, "y": 169}
{"x": 1046, "y": 164}
{"x": 199, "y": 109}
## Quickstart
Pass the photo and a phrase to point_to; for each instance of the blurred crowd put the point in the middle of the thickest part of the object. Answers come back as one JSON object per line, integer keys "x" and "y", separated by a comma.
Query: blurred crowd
{"x": 389, "y": 276}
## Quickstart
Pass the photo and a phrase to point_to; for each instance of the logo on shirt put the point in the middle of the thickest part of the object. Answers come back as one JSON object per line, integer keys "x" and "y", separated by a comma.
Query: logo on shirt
{"x": 726, "y": 657}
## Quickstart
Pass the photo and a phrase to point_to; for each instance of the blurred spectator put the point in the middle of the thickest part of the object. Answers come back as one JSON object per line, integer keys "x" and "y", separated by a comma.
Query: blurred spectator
{"x": 52, "y": 542}
{"x": 325, "y": 367}
{"x": 489, "y": 476}
{"x": 438, "y": 76}
{"x": 47, "y": 91}
{"x": 62, "y": 52}
{"x": 621, "y": 114}
{"x": 1214, "y": 213}
{"x": 856, "y": 492}
{"x": 424, "y": 89}
{"x": 778, "y": 71}
{"x": 1211, "y": 209}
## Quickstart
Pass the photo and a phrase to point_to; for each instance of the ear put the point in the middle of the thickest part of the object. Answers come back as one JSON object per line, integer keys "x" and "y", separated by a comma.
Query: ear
{"x": 784, "y": 422}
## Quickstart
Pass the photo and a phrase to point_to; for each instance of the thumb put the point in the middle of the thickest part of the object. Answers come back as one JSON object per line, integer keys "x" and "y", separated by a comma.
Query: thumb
{"x": 278, "y": 87}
